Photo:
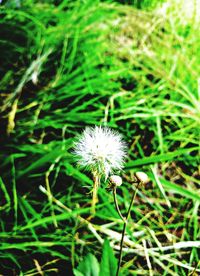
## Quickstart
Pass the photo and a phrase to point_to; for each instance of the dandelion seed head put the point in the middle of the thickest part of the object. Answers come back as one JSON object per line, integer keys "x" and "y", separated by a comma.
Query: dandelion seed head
{"x": 100, "y": 150}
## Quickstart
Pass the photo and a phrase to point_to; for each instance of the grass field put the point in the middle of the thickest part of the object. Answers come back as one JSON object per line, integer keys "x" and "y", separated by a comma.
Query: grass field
{"x": 132, "y": 66}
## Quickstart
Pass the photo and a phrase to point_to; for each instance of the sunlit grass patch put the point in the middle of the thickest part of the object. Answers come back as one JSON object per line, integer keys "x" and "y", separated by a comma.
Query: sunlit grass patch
{"x": 73, "y": 64}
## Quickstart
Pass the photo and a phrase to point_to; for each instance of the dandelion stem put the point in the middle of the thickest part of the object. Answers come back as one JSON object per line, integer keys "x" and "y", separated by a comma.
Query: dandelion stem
{"x": 132, "y": 200}
{"x": 116, "y": 204}
{"x": 121, "y": 246}
{"x": 94, "y": 192}
{"x": 124, "y": 226}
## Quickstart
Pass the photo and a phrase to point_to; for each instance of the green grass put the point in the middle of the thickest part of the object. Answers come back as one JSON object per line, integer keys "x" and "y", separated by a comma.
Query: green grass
{"x": 72, "y": 64}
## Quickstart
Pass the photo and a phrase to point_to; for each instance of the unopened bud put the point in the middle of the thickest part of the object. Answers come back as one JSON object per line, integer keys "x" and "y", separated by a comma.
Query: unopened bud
{"x": 115, "y": 180}
{"x": 142, "y": 177}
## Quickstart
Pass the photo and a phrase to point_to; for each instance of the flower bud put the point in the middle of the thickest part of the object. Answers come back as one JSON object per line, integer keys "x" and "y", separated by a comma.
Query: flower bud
{"x": 142, "y": 177}
{"x": 115, "y": 180}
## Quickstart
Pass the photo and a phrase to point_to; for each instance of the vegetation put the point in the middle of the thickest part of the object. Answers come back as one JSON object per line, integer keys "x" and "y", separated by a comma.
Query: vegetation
{"x": 66, "y": 65}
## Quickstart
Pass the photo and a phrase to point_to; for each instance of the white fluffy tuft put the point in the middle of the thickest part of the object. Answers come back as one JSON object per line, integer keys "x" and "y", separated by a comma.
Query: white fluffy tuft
{"x": 100, "y": 150}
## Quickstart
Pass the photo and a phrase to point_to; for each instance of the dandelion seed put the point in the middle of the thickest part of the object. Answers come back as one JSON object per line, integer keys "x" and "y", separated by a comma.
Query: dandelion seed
{"x": 101, "y": 151}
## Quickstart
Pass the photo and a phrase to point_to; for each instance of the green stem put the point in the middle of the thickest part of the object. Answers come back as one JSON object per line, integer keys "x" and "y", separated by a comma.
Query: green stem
{"x": 116, "y": 204}
{"x": 121, "y": 246}
{"x": 94, "y": 192}
{"x": 124, "y": 226}
{"x": 132, "y": 200}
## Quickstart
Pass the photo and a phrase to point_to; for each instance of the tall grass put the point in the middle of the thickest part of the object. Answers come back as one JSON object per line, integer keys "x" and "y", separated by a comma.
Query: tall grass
{"x": 76, "y": 63}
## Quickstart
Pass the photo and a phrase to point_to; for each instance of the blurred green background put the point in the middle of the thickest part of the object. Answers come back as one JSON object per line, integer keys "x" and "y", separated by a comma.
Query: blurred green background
{"x": 129, "y": 65}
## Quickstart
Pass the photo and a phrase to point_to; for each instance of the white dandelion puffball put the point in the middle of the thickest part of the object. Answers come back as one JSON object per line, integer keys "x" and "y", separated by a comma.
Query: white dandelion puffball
{"x": 100, "y": 150}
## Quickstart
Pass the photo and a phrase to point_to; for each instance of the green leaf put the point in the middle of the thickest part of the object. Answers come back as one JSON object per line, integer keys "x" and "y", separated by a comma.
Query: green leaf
{"x": 108, "y": 265}
{"x": 59, "y": 217}
{"x": 46, "y": 158}
{"x": 180, "y": 190}
{"x": 159, "y": 184}
{"x": 88, "y": 267}
{"x": 161, "y": 157}
{"x": 70, "y": 170}
{"x": 77, "y": 273}
{"x": 5, "y": 193}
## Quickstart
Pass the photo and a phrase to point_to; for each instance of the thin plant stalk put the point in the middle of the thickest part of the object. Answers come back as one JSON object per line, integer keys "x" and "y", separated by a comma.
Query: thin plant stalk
{"x": 125, "y": 220}
{"x": 96, "y": 180}
{"x": 116, "y": 205}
